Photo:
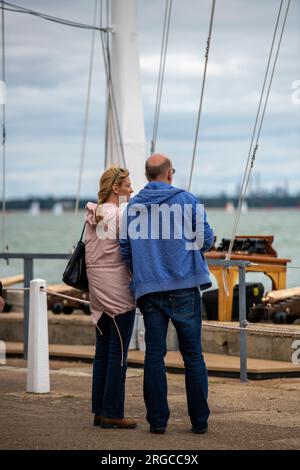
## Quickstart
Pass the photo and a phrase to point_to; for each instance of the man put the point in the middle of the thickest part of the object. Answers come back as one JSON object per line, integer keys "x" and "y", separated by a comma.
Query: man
{"x": 167, "y": 273}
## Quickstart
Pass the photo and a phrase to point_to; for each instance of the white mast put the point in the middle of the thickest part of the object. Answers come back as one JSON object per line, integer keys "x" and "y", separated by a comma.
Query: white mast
{"x": 127, "y": 94}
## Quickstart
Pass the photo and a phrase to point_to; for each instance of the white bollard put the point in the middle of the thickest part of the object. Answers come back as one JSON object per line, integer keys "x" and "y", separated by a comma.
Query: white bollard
{"x": 38, "y": 380}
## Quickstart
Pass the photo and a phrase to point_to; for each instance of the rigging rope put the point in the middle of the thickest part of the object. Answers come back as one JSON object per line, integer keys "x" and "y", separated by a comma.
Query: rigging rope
{"x": 107, "y": 104}
{"x": 111, "y": 98}
{"x": 251, "y": 159}
{"x": 112, "y": 125}
{"x": 55, "y": 19}
{"x": 202, "y": 91}
{"x": 87, "y": 108}
{"x": 161, "y": 73}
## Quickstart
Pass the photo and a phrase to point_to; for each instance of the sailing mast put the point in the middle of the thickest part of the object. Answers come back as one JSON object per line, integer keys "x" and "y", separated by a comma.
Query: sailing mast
{"x": 126, "y": 132}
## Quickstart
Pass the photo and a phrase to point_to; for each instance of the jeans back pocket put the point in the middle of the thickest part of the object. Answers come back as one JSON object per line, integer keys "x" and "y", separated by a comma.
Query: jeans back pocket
{"x": 183, "y": 304}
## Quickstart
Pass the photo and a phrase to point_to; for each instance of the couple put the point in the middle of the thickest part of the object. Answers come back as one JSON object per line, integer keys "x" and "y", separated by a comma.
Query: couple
{"x": 164, "y": 278}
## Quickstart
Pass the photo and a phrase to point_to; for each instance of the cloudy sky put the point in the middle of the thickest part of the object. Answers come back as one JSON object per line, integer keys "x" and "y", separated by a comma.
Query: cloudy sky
{"x": 47, "y": 73}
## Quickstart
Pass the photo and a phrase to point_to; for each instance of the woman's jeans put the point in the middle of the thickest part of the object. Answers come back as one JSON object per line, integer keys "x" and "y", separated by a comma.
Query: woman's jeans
{"x": 183, "y": 307}
{"x": 108, "y": 393}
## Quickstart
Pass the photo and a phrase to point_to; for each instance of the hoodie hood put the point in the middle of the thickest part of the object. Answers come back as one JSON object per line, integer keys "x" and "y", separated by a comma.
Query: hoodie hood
{"x": 155, "y": 192}
{"x": 109, "y": 212}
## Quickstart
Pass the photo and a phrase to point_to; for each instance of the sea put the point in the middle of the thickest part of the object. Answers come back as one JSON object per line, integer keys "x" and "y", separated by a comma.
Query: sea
{"x": 51, "y": 233}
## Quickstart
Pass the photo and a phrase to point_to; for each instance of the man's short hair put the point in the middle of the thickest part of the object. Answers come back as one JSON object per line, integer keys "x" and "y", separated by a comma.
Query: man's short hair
{"x": 154, "y": 171}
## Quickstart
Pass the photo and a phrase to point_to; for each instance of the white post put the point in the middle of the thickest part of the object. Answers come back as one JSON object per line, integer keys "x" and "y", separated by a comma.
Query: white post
{"x": 125, "y": 74}
{"x": 38, "y": 380}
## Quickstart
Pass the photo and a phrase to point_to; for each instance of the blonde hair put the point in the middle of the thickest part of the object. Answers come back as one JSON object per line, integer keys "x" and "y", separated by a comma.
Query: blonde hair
{"x": 113, "y": 175}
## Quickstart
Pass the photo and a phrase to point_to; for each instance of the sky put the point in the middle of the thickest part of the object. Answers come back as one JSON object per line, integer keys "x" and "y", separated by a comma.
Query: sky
{"x": 47, "y": 74}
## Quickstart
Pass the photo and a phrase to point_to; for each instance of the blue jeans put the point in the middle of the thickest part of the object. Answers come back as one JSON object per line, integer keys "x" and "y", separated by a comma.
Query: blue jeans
{"x": 183, "y": 307}
{"x": 108, "y": 392}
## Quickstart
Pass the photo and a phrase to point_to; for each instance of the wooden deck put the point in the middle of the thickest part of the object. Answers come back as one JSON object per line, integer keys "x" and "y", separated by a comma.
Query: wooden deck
{"x": 216, "y": 364}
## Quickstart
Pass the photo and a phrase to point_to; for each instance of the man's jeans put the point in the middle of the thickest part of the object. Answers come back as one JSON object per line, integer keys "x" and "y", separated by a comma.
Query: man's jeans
{"x": 108, "y": 393}
{"x": 183, "y": 307}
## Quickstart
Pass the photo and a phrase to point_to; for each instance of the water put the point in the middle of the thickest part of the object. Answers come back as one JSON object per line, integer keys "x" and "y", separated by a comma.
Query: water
{"x": 283, "y": 224}
{"x": 51, "y": 233}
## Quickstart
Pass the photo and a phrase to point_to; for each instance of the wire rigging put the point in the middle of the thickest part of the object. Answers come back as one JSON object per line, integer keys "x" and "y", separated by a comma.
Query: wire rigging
{"x": 107, "y": 104}
{"x": 112, "y": 108}
{"x": 111, "y": 103}
{"x": 253, "y": 136}
{"x": 202, "y": 92}
{"x": 7, "y": 6}
{"x": 251, "y": 158}
{"x": 87, "y": 109}
{"x": 161, "y": 73}
{"x": 19, "y": 9}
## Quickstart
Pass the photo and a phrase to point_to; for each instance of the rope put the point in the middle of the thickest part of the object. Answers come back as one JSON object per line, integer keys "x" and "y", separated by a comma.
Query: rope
{"x": 87, "y": 108}
{"x": 4, "y": 247}
{"x": 107, "y": 102}
{"x": 121, "y": 341}
{"x": 202, "y": 92}
{"x": 161, "y": 74}
{"x": 56, "y": 294}
{"x": 18, "y": 9}
{"x": 251, "y": 330}
{"x": 244, "y": 327}
{"x": 16, "y": 288}
{"x": 113, "y": 109}
{"x": 275, "y": 265}
{"x": 272, "y": 74}
{"x": 107, "y": 107}
{"x": 251, "y": 159}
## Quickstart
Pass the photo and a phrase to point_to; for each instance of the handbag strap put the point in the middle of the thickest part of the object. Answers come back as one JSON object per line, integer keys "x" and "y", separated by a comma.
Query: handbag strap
{"x": 83, "y": 231}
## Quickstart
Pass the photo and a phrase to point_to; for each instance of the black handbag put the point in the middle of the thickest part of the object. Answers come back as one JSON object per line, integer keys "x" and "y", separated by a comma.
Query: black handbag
{"x": 75, "y": 273}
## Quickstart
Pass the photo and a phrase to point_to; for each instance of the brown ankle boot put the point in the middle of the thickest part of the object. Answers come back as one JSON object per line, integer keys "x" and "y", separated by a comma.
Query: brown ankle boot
{"x": 97, "y": 420}
{"x": 122, "y": 423}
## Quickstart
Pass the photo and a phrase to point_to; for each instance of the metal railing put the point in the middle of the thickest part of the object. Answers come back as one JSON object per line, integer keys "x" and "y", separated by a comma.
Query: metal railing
{"x": 28, "y": 267}
{"x": 242, "y": 265}
{"x": 28, "y": 271}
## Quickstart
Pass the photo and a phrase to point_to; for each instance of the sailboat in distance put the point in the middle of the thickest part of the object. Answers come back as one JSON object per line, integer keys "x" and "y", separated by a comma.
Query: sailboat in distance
{"x": 244, "y": 207}
{"x": 229, "y": 207}
{"x": 34, "y": 208}
{"x": 57, "y": 209}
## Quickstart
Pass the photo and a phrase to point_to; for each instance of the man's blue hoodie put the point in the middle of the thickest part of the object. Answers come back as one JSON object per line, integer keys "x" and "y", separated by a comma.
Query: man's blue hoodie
{"x": 159, "y": 264}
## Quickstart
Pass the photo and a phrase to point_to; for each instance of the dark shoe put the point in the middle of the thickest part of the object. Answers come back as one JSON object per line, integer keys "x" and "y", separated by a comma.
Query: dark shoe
{"x": 121, "y": 423}
{"x": 199, "y": 430}
{"x": 97, "y": 420}
{"x": 158, "y": 430}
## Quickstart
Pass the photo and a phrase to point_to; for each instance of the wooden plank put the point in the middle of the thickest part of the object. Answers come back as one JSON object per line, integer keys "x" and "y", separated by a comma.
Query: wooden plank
{"x": 219, "y": 363}
{"x": 57, "y": 350}
{"x": 282, "y": 294}
{"x": 11, "y": 280}
{"x": 63, "y": 288}
{"x": 214, "y": 362}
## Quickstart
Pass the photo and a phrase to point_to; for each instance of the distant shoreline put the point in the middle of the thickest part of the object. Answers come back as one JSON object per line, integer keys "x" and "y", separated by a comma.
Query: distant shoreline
{"x": 67, "y": 204}
{"x": 210, "y": 208}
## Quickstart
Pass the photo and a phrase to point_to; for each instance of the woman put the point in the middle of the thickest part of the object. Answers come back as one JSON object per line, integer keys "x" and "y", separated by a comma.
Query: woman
{"x": 111, "y": 303}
